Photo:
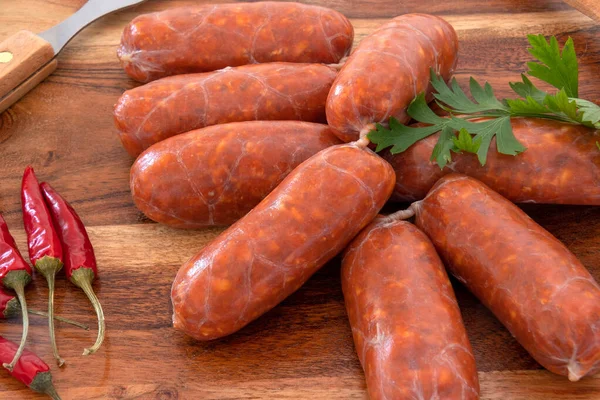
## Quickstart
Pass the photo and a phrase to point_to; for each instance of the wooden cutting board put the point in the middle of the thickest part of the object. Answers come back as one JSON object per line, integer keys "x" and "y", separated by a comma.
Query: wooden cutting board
{"x": 303, "y": 348}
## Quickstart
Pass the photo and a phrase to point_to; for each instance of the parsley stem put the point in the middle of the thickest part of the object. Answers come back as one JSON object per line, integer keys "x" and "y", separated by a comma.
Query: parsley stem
{"x": 529, "y": 115}
{"x": 546, "y": 116}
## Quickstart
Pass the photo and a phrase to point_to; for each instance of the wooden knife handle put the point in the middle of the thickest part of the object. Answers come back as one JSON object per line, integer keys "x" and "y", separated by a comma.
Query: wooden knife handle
{"x": 21, "y": 55}
{"x": 591, "y": 8}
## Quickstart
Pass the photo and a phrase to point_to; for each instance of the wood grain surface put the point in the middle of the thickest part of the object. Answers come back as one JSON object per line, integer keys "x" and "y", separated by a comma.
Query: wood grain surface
{"x": 303, "y": 348}
{"x": 591, "y": 8}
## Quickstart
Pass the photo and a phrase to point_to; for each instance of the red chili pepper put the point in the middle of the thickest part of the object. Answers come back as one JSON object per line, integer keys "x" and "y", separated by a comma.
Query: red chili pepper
{"x": 45, "y": 249}
{"x": 80, "y": 262}
{"x": 15, "y": 274}
{"x": 30, "y": 369}
{"x": 9, "y": 305}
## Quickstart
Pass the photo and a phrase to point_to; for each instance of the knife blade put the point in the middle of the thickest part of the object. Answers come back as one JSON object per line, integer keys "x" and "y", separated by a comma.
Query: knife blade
{"x": 26, "y": 59}
{"x": 59, "y": 35}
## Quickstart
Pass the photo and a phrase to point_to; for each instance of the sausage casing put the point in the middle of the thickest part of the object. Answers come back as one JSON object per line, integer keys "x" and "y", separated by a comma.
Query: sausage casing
{"x": 406, "y": 324}
{"x": 211, "y": 37}
{"x": 388, "y": 69}
{"x": 278, "y": 91}
{"x": 216, "y": 175}
{"x": 533, "y": 284}
{"x": 561, "y": 165}
{"x": 268, "y": 254}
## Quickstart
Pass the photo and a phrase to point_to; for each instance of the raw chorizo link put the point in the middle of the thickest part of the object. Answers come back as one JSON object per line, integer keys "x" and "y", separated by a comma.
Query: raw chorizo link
{"x": 211, "y": 37}
{"x": 533, "y": 284}
{"x": 388, "y": 69}
{"x": 268, "y": 254}
{"x": 406, "y": 324}
{"x": 278, "y": 91}
{"x": 216, "y": 175}
{"x": 561, "y": 166}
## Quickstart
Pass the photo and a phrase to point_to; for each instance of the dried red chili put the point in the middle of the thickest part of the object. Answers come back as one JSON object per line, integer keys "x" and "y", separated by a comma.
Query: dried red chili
{"x": 30, "y": 369}
{"x": 79, "y": 258}
{"x": 45, "y": 249}
{"x": 15, "y": 274}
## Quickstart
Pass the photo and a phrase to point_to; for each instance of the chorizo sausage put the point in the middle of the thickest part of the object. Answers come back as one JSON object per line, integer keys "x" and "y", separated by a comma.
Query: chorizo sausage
{"x": 216, "y": 175}
{"x": 406, "y": 324}
{"x": 269, "y": 253}
{"x": 561, "y": 165}
{"x": 169, "y": 106}
{"x": 388, "y": 69}
{"x": 533, "y": 284}
{"x": 211, "y": 37}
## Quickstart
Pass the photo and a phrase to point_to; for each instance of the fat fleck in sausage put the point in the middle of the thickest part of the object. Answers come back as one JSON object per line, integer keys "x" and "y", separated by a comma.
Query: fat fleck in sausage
{"x": 561, "y": 166}
{"x": 211, "y": 37}
{"x": 268, "y": 254}
{"x": 169, "y": 106}
{"x": 388, "y": 69}
{"x": 216, "y": 175}
{"x": 533, "y": 284}
{"x": 406, "y": 323}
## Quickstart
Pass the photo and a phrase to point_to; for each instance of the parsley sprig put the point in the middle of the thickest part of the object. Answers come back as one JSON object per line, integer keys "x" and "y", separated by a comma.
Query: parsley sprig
{"x": 484, "y": 117}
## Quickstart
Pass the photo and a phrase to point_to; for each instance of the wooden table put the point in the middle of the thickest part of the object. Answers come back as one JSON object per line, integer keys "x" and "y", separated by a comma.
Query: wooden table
{"x": 303, "y": 348}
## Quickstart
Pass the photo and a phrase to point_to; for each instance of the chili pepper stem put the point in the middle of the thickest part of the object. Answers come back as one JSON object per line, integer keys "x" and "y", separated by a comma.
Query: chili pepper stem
{"x": 51, "y": 391}
{"x": 17, "y": 280}
{"x": 42, "y": 383}
{"x": 12, "y": 308}
{"x": 49, "y": 266}
{"x": 62, "y": 319}
{"x": 83, "y": 277}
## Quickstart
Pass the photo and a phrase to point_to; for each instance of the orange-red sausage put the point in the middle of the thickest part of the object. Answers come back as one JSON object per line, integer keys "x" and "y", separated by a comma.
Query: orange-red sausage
{"x": 533, "y": 284}
{"x": 561, "y": 165}
{"x": 278, "y": 91}
{"x": 268, "y": 254}
{"x": 388, "y": 69}
{"x": 406, "y": 324}
{"x": 210, "y": 37}
{"x": 216, "y": 175}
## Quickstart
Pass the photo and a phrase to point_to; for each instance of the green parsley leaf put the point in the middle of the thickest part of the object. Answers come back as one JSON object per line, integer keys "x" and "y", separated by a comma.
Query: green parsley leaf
{"x": 486, "y": 130}
{"x": 419, "y": 110}
{"x": 598, "y": 144}
{"x": 485, "y": 116}
{"x": 399, "y": 136}
{"x": 527, "y": 106}
{"x": 455, "y": 98}
{"x": 506, "y": 142}
{"x": 441, "y": 151}
{"x": 590, "y": 112}
{"x": 465, "y": 142}
{"x": 560, "y": 103}
{"x": 527, "y": 89}
{"x": 485, "y": 96}
{"x": 558, "y": 69}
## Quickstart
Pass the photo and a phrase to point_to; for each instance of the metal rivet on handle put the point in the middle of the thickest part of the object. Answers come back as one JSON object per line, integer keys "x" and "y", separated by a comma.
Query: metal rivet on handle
{"x": 5, "y": 57}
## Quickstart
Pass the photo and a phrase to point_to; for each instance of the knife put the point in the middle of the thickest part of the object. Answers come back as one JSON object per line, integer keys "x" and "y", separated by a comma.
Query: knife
{"x": 26, "y": 59}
